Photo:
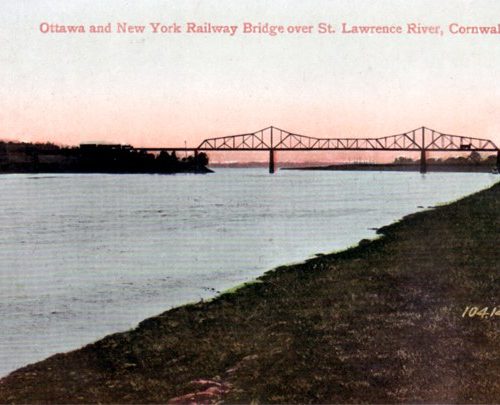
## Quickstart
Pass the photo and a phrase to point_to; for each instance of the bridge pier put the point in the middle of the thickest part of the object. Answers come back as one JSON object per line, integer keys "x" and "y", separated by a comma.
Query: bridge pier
{"x": 423, "y": 163}
{"x": 271, "y": 161}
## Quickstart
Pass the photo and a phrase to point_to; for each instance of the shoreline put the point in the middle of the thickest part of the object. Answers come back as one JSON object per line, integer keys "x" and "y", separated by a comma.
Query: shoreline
{"x": 239, "y": 342}
{"x": 401, "y": 168}
{"x": 200, "y": 170}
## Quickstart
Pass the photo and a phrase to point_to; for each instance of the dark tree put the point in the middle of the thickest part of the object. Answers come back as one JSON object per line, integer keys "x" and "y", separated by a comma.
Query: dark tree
{"x": 475, "y": 157}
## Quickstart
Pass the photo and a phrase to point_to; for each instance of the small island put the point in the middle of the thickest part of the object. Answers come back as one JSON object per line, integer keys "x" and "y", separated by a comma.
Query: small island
{"x": 21, "y": 157}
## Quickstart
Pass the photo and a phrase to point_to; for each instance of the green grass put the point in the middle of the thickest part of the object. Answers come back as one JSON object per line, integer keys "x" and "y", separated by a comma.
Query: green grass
{"x": 379, "y": 322}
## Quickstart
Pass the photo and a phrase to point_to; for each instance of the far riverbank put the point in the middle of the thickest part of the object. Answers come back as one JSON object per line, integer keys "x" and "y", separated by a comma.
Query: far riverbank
{"x": 460, "y": 168}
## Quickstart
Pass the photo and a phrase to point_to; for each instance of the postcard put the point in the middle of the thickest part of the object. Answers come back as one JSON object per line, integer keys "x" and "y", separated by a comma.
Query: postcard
{"x": 249, "y": 202}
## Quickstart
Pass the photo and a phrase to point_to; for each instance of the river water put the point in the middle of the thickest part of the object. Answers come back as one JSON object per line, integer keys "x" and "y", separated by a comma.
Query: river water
{"x": 82, "y": 256}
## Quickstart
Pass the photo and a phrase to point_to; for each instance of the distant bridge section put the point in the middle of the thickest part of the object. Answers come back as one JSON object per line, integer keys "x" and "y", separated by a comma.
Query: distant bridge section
{"x": 275, "y": 139}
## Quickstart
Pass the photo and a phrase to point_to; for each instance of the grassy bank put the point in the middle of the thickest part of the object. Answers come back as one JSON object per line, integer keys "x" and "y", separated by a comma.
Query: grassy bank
{"x": 381, "y": 322}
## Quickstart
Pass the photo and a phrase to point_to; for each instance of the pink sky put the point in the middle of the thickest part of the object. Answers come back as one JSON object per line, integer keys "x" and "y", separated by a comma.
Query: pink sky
{"x": 154, "y": 90}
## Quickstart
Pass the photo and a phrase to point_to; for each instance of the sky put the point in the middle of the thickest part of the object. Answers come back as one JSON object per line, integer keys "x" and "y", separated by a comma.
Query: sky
{"x": 159, "y": 89}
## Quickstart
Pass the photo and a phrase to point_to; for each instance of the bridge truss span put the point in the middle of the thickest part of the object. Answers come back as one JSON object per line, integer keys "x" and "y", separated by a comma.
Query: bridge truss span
{"x": 273, "y": 138}
{"x": 438, "y": 141}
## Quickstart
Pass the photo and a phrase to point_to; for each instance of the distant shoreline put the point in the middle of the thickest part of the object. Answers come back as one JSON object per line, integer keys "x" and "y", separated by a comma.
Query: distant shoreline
{"x": 18, "y": 157}
{"x": 460, "y": 168}
{"x": 200, "y": 170}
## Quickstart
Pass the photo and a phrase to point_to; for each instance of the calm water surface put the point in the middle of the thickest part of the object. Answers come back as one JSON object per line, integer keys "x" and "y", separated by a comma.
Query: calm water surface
{"x": 82, "y": 256}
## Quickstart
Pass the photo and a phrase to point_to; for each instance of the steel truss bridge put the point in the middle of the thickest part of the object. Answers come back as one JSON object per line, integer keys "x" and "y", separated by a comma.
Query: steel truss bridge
{"x": 274, "y": 139}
